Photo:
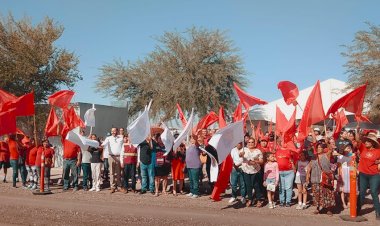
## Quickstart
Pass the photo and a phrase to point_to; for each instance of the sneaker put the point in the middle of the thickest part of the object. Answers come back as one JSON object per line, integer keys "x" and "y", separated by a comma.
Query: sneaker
{"x": 34, "y": 187}
{"x": 92, "y": 189}
{"x": 282, "y": 204}
{"x": 304, "y": 206}
{"x": 274, "y": 205}
{"x": 270, "y": 205}
{"x": 232, "y": 200}
{"x": 97, "y": 190}
{"x": 243, "y": 201}
{"x": 287, "y": 205}
{"x": 75, "y": 189}
{"x": 30, "y": 186}
{"x": 190, "y": 195}
{"x": 299, "y": 207}
{"x": 194, "y": 196}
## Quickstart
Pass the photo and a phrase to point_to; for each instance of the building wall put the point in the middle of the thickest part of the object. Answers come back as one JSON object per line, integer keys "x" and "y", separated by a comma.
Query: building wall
{"x": 106, "y": 117}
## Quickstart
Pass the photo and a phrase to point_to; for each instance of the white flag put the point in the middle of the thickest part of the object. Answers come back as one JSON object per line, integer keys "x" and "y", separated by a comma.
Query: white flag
{"x": 89, "y": 117}
{"x": 80, "y": 140}
{"x": 225, "y": 139}
{"x": 167, "y": 138}
{"x": 185, "y": 131}
{"x": 139, "y": 129}
{"x": 214, "y": 168}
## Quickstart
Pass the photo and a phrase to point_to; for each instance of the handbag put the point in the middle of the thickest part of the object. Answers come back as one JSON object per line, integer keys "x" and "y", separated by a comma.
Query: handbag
{"x": 327, "y": 178}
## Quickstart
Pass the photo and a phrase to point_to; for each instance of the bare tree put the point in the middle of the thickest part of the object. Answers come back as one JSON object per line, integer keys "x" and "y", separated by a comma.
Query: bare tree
{"x": 196, "y": 69}
{"x": 363, "y": 66}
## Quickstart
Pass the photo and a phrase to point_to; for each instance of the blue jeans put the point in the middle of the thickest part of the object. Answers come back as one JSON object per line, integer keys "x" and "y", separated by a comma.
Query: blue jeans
{"x": 15, "y": 168}
{"x": 70, "y": 165}
{"x": 374, "y": 184}
{"x": 147, "y": 176}
{"x": 252, "y": 181}
{"x": 286, "y": 186}
{"x": 237, "y": 176}
{"x": 86, "y": 167}
{"x": 194, "y": 179}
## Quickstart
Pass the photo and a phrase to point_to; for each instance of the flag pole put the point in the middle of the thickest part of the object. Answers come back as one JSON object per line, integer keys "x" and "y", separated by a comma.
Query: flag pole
{"x": 35, "y": 130}
{"x": 299, "y": 106}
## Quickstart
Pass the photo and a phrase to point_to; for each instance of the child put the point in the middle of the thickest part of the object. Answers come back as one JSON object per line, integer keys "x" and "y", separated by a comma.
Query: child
{"x": 301, "y": 181}
{"x": 344, "y": 173}
{"x": 271, "y": 176}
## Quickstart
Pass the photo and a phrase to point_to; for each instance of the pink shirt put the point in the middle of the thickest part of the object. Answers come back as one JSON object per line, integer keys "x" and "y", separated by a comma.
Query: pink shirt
{"x": 271, "y": 171}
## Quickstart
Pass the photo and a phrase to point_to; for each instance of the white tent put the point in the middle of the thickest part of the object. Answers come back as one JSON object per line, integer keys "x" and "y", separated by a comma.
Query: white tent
{"x": 331, "y": 91}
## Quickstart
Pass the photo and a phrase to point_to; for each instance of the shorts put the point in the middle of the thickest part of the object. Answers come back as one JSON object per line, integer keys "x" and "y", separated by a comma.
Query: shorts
{"x": 300, "y": 179}
{"x": 5, "y": 165}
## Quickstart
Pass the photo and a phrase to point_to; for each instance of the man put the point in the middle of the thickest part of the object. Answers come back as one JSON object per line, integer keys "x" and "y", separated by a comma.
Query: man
{"x": 317, "y": 133}
{"x": 237, "y": 174}
{"x": 146, "y": 164}
{"x": 115, "y": 146}
{"x": 4, "y": 157}
{"x": 342, "y": 141}
{"x": 71, "y": 161}
{"x": 128, "y": 160}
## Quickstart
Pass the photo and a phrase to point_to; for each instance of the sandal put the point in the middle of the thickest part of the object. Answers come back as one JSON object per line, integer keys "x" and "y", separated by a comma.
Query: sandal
{"x": 249, "y": 203}
{"x": 156, "y": 195}
{"x": 316, "y": 212}
{"x": 259, "y": 204}
{"x": 329, "y": 213}
{"x": 174, "y": 193}
{"x": 182, "y": 192}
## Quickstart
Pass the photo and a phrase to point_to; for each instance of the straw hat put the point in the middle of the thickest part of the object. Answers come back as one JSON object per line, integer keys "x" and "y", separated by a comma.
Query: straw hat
{"x": 371, "y": 137}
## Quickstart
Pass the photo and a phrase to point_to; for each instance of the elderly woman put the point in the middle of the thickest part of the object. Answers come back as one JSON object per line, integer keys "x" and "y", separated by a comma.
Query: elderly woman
{"x": 369, "y": 171}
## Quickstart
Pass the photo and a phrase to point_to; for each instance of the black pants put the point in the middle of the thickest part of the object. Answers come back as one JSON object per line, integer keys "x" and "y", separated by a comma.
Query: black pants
{"x": 130, "y": 173}
{"x": 252, "y": 181}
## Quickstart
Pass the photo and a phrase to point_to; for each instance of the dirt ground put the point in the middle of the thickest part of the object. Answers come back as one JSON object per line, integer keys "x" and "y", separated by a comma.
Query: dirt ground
{"x": 20, "y": 207}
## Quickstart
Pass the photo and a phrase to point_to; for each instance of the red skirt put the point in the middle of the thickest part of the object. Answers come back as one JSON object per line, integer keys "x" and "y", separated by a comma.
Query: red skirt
{"x": 177, "y": 169}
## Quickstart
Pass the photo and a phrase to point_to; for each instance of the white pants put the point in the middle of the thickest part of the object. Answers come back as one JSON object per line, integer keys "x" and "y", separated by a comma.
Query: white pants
{"x": 96, "y": 178}
{"x": 32, "y": 171}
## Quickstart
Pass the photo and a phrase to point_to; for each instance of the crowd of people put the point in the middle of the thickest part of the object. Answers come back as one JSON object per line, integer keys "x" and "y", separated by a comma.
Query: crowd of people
{"x": 265, "y": 169}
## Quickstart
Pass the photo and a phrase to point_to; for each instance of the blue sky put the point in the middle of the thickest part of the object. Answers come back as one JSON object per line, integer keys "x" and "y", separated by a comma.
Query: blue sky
{"x": 300, "y": 41}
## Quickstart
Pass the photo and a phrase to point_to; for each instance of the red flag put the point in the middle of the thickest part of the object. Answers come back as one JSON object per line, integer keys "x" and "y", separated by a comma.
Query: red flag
{"x": 206, "y": 121}
{"x": 222, "y": 121}
{"x": 362, "y": 118}
{"x": 8, "y": 122}
{"x": 258, "y": 131}
{"x": 247, "y": 100}
{"x": 352, "y": 101}
{"x": 6, "y": 97}
{"x": 291, "y": 128}
{"x": 223, "y": 178}
{"x": 71, "y": 121}
{"x": 289, "y": 91}
{"x": 312, "y": 113}
{"x": 238, "y": 113}
{"x": 61, "y": 98}
{"x": 52, "y": 124}
{"x": 23, "y": 105}
{"x": 181, "y": 116}
{"x": 340, "y": 120}
{"x": 281, "y": 121}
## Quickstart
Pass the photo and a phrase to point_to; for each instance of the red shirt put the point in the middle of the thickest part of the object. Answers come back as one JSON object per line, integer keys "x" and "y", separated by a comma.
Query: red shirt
{"x": 32, "y": 156}
{"x": 70, "y": 150}
{"x": 284, "y": 159}
{"x": 13, "y": 149}
{"x": 130, "y": 154}
{"x": 367, "y": 160}
{"x": 48, "y": 152}
{"x": 264, "y": 149}
{"x": 4, "y": 152}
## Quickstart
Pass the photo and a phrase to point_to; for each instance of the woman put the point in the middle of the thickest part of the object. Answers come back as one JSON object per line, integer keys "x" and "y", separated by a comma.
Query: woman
{"x": 96, "y": 164}
{"x": 48, "y": 158}
{"x": 320, "y": 176}
{"x": 162, "y": 167}
{"x": 178, "y": 166}
{"x": 193, "y": 164}
{"x": 252, "y": 161}
{"x": 369, "y": 170}
{"x": 287, "y": 169}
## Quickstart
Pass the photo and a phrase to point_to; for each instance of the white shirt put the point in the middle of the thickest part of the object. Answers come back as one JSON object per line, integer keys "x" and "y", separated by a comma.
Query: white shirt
{"x": 115, "y": 145}
{"x": 249, "y": 156}
{"x": 235, "y": 156}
